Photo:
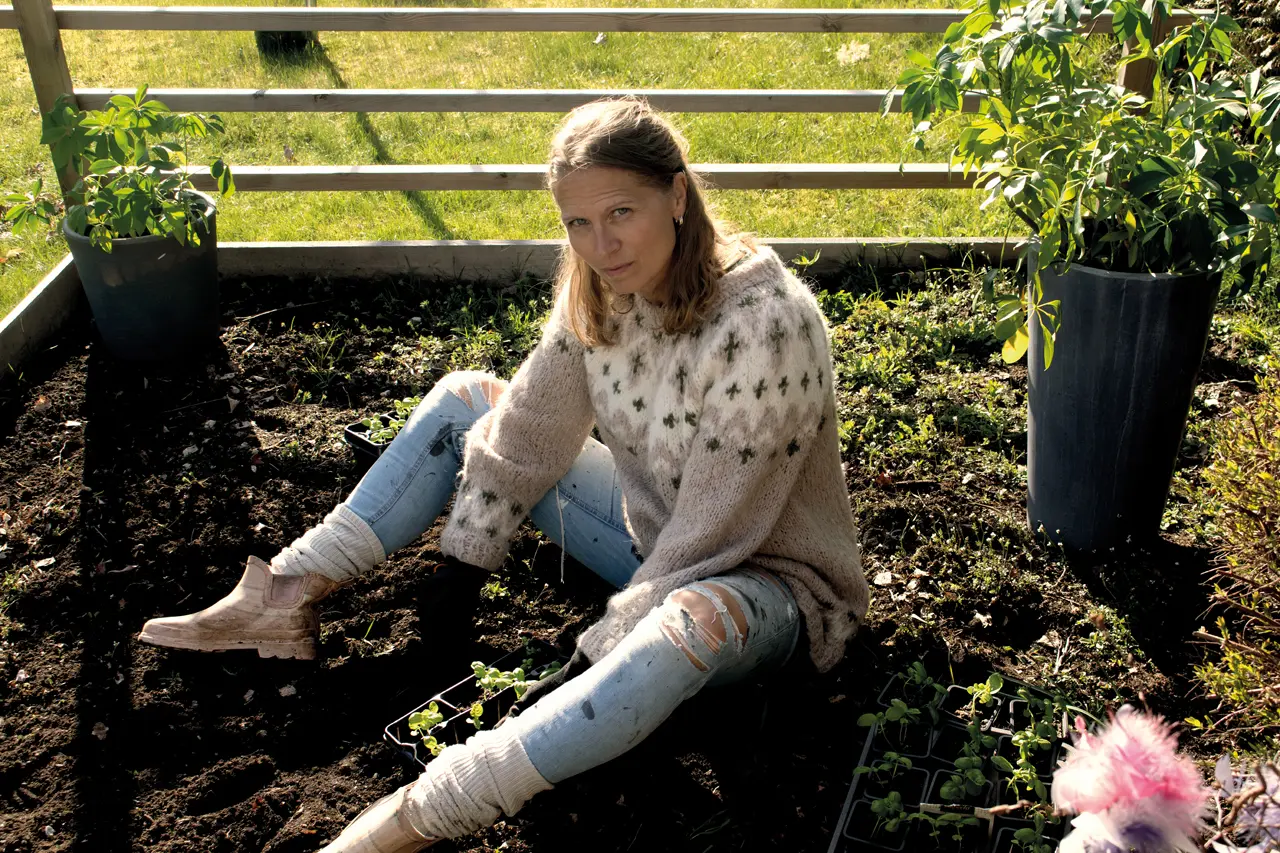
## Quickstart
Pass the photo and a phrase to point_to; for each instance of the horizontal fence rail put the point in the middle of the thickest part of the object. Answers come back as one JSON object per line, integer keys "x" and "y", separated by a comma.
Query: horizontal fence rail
{"x": 40, "y": 23}
{"x": 507, "y": 100}
{"x": 727, "y": 176}
{"x": 239, "y": 18}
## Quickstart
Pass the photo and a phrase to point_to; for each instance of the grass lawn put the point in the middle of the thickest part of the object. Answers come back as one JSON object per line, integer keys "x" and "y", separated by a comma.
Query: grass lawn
{"x": 503, "y": 60}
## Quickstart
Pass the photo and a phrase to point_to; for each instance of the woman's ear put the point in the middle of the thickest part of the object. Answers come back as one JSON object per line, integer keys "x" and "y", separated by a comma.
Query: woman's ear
{"x": 680, "y": 188}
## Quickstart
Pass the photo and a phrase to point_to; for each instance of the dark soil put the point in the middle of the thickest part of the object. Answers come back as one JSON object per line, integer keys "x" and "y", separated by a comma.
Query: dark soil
{"x": 130, "y": 492}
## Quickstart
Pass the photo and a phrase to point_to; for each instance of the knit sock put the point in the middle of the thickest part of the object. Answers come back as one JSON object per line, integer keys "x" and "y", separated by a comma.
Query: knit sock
{"x": 341, "y": 548}
{"x": 467, "y": 786}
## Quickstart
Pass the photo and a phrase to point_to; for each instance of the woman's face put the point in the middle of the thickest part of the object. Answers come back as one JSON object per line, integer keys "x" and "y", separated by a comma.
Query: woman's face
{"x": 622, "y": 227}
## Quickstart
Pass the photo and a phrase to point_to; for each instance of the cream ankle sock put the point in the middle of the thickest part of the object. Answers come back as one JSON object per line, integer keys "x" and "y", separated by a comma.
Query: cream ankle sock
{"x": 341, "y": 548}
{"x": 468, "y": 785}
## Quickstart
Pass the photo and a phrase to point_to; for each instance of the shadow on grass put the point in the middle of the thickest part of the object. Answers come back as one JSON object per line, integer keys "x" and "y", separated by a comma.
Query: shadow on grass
{"x": 314, "y": 53}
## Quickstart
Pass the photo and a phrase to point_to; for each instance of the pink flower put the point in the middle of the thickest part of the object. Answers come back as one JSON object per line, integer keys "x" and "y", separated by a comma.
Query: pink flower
{"x": 1131, "y": 787}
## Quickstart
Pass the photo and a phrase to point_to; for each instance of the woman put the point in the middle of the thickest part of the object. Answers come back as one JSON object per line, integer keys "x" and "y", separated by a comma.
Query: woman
{"x": 716, "y": 501}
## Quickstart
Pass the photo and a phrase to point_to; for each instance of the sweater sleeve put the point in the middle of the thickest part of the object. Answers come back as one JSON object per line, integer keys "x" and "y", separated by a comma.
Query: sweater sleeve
{"x": 518, "y": 449}
{"x": 768, "y": 383}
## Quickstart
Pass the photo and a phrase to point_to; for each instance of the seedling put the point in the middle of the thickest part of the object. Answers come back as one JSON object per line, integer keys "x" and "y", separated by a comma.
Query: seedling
{"x": 1031, "y": 838}
{"x": 979, "y": 741}
{"x": 477, "y": 711}
{"x": 985, "y": 692}
{"x": 888, "y": 811}
{"x": 492, "y": 680}
{"x": 968, "y": 781}
{"x": 890, "y": 765}
{"x": 953, "y": 821}
{"x": 917, "y": 685}
{"x": 421, "y": 722}
{"x": 1024, "y": 777}
{"x": 898, "y": 712}
{"x": 380, "y": 433}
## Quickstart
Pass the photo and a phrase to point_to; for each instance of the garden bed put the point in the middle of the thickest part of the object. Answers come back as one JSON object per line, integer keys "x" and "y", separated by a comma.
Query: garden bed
{"x": 131, "y": 492}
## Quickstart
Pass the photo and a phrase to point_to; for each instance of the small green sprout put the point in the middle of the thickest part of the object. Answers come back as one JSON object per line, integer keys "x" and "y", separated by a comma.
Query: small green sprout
{"x": 421, "y": 722}
{"x": 477, "y": 711}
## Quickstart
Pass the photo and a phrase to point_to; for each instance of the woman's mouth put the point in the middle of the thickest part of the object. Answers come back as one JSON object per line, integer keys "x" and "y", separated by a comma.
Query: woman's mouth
{"x": 618, "y": 270}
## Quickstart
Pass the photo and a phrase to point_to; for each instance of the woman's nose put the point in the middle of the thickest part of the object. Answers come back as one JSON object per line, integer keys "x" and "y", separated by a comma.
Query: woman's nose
{"x": 606, "y": 241}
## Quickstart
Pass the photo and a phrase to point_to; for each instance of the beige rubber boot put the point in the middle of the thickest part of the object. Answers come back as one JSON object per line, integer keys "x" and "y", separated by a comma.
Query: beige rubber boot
{"x": 381, "y": 828}
{"x": 268, "y": 612}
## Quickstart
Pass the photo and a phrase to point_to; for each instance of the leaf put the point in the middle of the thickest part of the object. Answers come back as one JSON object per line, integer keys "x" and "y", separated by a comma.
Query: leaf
{"x": 1002, "y": 763}
{"x": 1016, "y": 346}
{"x": 867, "y": 720}
{"x": 1260, "y": 212}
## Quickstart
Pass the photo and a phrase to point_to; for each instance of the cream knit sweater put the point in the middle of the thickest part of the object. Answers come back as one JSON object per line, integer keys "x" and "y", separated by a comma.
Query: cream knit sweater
{"x": 725, "y": 444}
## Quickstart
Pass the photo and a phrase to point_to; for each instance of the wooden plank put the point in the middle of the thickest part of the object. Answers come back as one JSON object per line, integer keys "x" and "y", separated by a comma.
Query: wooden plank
{"x": 1139, "y": 76}
{"x": 506, "y": 260}
{"x": 46, "y": 61}
{"x": 508, "y": 100}
{"x": 240, "y": 18}
{"x": 849, "y": 176}
{"x": 39, "y": 316}
{"x": 426, "y": 19}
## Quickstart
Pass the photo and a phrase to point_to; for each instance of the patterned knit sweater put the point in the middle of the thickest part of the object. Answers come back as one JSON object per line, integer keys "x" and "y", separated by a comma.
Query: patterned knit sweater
{"x": 725, "y": 444}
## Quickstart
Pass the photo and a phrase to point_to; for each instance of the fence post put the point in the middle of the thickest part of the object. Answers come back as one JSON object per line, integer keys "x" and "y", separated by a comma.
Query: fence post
{"x": 50, "y": 76}
{"x": 1139, "y": 76}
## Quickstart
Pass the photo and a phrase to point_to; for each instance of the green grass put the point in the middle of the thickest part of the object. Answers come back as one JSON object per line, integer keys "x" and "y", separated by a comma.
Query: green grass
{"x": 502, "y": 60}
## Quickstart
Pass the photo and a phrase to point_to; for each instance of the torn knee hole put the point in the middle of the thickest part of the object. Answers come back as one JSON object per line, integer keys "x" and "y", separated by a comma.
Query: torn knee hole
{"x": 678, "y": 640}
{"x": 735, "y": 609}
{"x": 457, "y": 385}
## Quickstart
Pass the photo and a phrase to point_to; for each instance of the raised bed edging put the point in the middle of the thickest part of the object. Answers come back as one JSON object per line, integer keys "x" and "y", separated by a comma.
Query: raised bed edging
{"x": 44, "y": 310}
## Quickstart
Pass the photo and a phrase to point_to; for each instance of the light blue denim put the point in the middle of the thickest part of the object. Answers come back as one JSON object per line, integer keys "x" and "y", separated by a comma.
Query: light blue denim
{"x": 667, "y": 658}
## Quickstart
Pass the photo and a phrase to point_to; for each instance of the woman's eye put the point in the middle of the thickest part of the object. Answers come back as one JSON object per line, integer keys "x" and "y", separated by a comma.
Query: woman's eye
{"x": 621, "y": 211}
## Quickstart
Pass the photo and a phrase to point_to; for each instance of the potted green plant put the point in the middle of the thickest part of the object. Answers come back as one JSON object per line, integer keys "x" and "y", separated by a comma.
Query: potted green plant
{"x": 143, "y": 239}
{"x": 1134, "y": 209}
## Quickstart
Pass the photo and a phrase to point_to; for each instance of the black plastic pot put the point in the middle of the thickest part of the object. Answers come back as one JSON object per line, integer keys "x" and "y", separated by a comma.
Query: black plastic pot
{"x": 152, "y": 299}
{"x": 357, "y": 436}
{"x": 1106, "y": 419}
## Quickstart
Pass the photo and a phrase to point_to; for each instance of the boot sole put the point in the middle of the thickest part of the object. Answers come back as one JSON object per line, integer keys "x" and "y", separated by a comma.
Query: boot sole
{"x": 288, "y": 649}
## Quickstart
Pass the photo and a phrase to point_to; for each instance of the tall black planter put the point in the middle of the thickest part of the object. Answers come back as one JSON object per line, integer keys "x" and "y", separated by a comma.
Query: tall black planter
{"x": 1105, "y": 421}
{"x": 152, "y": 299}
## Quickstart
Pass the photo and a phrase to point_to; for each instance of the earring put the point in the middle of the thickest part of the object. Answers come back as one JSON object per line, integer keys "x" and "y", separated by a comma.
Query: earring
{"x": 680, "y": 221}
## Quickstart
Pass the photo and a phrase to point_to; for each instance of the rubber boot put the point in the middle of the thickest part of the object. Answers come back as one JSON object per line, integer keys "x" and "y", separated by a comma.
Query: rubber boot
{"x": 268, "y": 612}
{"x": 381, "y": 828}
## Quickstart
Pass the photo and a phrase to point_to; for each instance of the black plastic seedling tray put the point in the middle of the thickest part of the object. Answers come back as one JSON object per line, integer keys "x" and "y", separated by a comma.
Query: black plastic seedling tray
{"x": 932, "y": 751}
{"x": 357, "y": 435}
{"x": 455, "y": 703}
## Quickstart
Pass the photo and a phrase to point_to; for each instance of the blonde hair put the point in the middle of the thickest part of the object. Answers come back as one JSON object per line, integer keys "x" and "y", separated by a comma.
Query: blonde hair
{"x": 626, "y": 133}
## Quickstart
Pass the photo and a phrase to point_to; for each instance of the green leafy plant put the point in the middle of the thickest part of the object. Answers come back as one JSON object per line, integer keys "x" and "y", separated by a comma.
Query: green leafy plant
{"x": 1031, "y": 838}
{"x": 954, "y": 822}
{"x": 132, "y": 161}
{"x": 967, "y": 781}
{"x": 899, "y": 713}
{"x": 493, "y": 680}
{"x": 473, "y": 717}
{"x": 1098, "y": 174}
{"x": 1245, "y": 478}
{"x": 918, "y": 686}
{"x": 889, "y": 812}
{"x": 887, "y": 768}
{"x": 984, "y": 692}
{"x": 421, "y": 723}
{"x": 380, "y": 433}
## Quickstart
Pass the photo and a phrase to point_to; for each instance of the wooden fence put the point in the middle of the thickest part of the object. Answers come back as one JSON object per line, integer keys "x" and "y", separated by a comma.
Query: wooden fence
{"x": 40, "y": 24}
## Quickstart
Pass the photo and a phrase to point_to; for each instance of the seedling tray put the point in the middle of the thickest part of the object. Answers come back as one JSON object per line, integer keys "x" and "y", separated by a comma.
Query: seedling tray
{"x": 919, "y": 787}
{"x": 357, "y": 435}
{"x": 455, "y": 702}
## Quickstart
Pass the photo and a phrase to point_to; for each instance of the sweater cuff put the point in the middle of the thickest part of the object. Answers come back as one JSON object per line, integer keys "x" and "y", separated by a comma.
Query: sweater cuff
{"x": 478, "y": 549}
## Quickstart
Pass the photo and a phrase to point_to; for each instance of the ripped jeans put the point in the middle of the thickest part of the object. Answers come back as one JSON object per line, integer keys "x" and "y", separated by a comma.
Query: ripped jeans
{"x": 710, "y": 633}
